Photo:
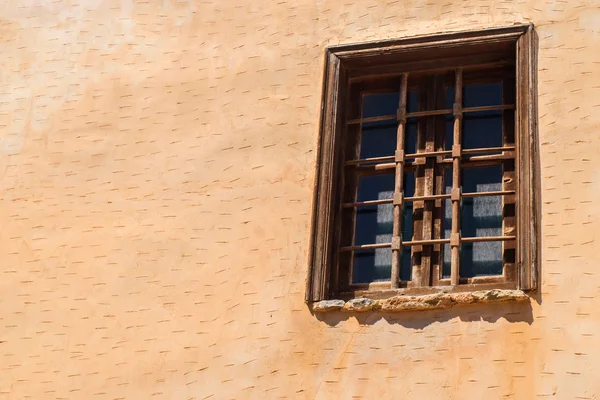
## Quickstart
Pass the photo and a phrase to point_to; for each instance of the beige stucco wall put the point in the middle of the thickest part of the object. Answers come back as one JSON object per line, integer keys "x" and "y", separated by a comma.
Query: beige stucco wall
{"x": 157, "y": 166}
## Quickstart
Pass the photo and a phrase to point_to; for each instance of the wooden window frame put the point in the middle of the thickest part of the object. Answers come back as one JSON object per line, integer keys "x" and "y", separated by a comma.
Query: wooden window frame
{"x": 349, "y": 63}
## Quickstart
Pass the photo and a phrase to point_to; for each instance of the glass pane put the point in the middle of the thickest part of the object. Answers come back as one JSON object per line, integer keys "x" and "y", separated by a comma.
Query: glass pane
{"x": 480, "y": 259}
{"x": 379, "y": 104}
{"x": 374, "y": 224}
{"x": 372, "y": 265}
{"x": 410, "y": 138}
{"x": 483, "y": 94}
{"x": 481, "y": 216}
{"x": 449, "y": 119}
{"x": 375, "y": 187}
{"x": 378, "y": 139}
{"x": 480, "y": 129}
{"x": 481, "y": 179}
{"x": 450, "y": 97}
{"x": 447, "y": 223}
{"x": 407, "y": 227}
{"x": 412, "y": 101}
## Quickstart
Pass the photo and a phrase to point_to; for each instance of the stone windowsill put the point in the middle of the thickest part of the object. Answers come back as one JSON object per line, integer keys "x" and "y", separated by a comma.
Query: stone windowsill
{"x": 426, "y": 302}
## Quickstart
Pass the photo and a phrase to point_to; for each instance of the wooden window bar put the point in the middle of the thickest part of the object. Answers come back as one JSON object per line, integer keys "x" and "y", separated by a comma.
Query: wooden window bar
{"x": 398, "y": 185}
{"x": 428, "y": 197}
{"x": 465, "y": 162}
{"x": 456, "y": 156}
{"x": 426, "y": 242}
{"x": 429, "y": 154}
{"x": 431, "y": 113}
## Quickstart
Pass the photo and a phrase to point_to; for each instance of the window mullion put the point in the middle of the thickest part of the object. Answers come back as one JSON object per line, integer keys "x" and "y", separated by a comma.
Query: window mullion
{"x": 456, "y": 184}
{"x": 428, "y": 165}
{"x": 419, "y": 205}
{"x": 438, "y": 185}
{"x": 398, "y": 185}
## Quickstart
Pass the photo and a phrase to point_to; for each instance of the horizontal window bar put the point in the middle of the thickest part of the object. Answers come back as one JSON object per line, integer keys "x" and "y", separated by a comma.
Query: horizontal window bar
{"x": 496, "y": 193}
{"x": 488, "y": 149}
{"x": 368, "y": 203}
{"x": 391, "y": 118}
{"x": 503, "y": 156}
{"x": 488, "y": 108}
{"x": 473, "y": 159}
{"x": 366, "y": 247}
{"x": 375, "y": 167}
{"x": 428, "y": 113}
{"x": 429, "y": 242}
{"x": 430, "y": 154}
{"x": 487, "y": 239}
{"x": 429, "y": 197}
{"x": 413, "y": 198}
{"x": 370, "y": 160}
{"x": 425, "y": 242}
{"x": 431, "y": 113}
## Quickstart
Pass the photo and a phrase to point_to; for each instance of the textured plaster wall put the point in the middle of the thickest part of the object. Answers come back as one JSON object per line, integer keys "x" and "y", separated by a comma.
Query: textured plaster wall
{"x": 156, "y": 173}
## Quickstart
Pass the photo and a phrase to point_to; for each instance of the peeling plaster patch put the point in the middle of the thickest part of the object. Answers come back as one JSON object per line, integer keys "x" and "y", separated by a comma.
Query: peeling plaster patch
{"x": 427, "y": 302}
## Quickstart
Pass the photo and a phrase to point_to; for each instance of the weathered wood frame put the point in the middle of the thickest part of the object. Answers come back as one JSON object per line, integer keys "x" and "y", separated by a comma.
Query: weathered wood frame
{"x": 394, "y": 58}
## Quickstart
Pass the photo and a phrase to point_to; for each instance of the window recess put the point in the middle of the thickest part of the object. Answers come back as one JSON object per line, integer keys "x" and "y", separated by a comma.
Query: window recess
{"x": 426, "y": 172}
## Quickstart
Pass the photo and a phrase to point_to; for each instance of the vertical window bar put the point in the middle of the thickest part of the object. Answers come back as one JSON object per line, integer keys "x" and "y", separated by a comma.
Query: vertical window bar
{"x": 438, "y": 185}
{"x": 456, "y": 184}
{"x": 509, "y": 218}
{"x": 398, "y": 185}
{"x": 428, "y": 178}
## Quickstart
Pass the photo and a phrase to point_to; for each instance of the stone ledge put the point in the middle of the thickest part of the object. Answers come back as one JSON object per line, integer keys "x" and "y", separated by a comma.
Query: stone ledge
{"x": 425, "y": 302}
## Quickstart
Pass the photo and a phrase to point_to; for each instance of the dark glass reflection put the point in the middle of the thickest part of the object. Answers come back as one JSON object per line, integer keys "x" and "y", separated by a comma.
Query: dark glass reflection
{"x": 478, "y": 95}
{"x": 375, "y": 187}
{"x": 482, "y": 129}
{"x": 378, "y": 139}
{"x": 483, "y": 94}
{"x": 380, "y": 104}
{"x": 372, "y": 265}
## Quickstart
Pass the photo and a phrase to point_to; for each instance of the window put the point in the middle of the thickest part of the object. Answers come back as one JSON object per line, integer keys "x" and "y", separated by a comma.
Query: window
{"x": 426, "y": 172}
